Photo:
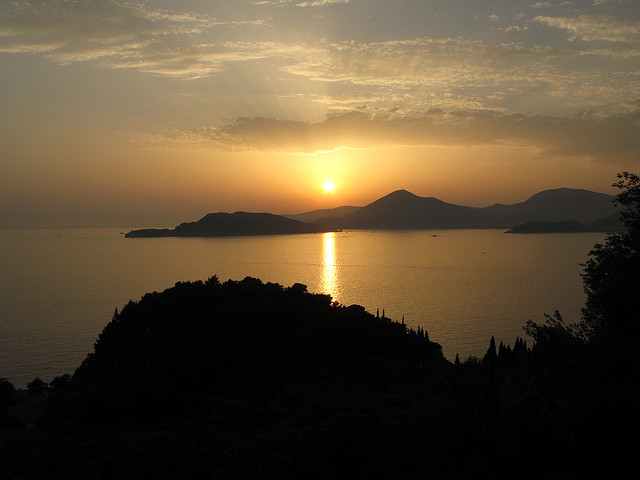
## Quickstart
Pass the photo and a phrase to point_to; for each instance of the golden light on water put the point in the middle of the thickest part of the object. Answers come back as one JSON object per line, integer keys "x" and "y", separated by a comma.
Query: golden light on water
{"x": 329, "y": 272}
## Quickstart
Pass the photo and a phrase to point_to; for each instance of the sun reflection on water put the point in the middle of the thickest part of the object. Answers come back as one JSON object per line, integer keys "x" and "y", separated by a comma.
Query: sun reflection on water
{"x": 329, "y": 272}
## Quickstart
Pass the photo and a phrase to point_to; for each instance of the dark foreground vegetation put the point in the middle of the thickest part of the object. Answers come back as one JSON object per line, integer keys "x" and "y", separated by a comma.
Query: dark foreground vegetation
{"x": 244, "y": 380}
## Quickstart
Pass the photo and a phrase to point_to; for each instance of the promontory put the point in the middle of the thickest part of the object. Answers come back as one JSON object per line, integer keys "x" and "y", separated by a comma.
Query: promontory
{"x": 231, "y": 224}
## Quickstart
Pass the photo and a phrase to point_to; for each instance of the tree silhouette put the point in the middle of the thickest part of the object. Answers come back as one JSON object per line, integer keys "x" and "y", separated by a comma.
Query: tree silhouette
{"x": 61, "y": 382}
{"x": 7, "y": 393}
{"x": 610, "y": 317}
{"x": 36, "y": 386}
{"x": 492, "y": 355}
{"x": 611, "y": 276}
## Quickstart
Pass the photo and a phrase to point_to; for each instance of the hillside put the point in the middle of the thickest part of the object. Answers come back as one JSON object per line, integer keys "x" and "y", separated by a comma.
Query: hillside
{"x": 402, "y": 209}
{"x": 314, "y": 215}
{"x": 557, "y": 205}
{"x": 246, "y": 380}
{"x": 228, "y": 224}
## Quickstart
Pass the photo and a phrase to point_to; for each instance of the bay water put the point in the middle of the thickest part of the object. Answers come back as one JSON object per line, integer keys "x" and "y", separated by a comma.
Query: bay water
{"x": 59, "y": 288}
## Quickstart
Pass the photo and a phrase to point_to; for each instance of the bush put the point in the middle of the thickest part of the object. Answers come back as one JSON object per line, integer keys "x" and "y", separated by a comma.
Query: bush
{"x": 36, "y": 386}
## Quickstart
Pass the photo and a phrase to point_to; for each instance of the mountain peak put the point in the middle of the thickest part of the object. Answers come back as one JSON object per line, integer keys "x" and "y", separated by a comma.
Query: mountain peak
{"x": 402, "y": 193}
{"x": 405, "y": 197}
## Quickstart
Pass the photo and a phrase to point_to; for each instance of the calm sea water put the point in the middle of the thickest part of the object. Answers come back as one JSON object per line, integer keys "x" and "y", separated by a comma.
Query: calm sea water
{"x": 59, "y": 288}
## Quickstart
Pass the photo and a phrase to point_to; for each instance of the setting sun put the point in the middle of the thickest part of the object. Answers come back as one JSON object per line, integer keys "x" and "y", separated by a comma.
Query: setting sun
{"x": 328, "y": 185}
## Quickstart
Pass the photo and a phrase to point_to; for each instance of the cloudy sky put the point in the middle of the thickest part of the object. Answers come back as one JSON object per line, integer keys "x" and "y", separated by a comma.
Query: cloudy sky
{"x": 117, "y": 113}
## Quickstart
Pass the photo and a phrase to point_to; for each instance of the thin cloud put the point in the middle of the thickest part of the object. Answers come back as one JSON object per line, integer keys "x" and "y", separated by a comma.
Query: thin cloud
{"x": 426, "y": 61}
{"x": 551, "y": 5}
{"x": 411, "y": 74}
{"x": 463, "y": 74}
{"x": 86, "y": 30}
{"x": 55, "y": 25}
{"x": 203, "y": 60}
{"x": 512, "y": 30}
{"x": 320, "y": 3}
{"x": 298, "y": 3}
{"x": 617, "y": 51}
{"x": 595, "y": 27}
{"x": 596, "y": 137}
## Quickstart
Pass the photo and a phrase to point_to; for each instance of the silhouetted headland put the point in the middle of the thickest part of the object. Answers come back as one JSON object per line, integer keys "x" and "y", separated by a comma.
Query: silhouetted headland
{"x": 230, "y": 224}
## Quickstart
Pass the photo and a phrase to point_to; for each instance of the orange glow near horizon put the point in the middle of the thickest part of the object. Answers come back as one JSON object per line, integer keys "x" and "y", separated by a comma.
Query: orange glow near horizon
{"x": 274, "y": 181}
{"x": 253, "y": 107}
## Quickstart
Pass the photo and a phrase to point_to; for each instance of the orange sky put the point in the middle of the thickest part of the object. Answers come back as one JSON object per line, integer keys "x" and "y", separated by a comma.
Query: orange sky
{"x": 140, "y": 114}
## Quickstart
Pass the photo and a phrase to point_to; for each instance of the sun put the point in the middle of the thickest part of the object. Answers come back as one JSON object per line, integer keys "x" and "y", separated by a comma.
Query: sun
{"x": 328, "y": 185}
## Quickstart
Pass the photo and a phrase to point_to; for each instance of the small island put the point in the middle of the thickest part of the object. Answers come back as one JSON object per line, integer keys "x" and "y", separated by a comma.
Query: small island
{"x": 610, "y": 223}
{"x": 569, "y": 226}
{"x": 232, "y": 224}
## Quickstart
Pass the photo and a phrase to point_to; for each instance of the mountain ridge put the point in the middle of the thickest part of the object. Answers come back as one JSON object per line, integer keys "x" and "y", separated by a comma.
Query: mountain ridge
{"x": 402, "y": 209}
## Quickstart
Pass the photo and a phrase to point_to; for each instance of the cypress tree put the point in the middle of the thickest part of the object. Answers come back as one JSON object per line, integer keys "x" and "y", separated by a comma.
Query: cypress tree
{"x": 492, "y": 355}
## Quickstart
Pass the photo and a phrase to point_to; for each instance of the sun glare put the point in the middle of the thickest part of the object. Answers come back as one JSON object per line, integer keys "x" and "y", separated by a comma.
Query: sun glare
{"x": 328, "y": 185}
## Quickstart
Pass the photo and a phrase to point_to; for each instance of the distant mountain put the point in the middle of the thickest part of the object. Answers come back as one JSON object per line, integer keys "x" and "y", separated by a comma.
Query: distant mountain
{"x": 230, "y": 224}
{"x": 589, "y": 211}
{"x": 404, "y": 210}
{"x": 557, "y": 205}
{"x": 314, "y": 215}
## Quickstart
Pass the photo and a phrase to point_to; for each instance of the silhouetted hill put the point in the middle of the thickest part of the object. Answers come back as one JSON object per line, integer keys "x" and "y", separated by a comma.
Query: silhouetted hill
{"x": 246, "y": 380}
{"x": 315, "y": 215}
{"x": 557, "y": 205}
{"x": 228, "y": 224}
{"x": 243, "y": 335}
{"x": 404, "y": 210}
